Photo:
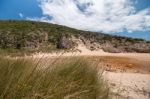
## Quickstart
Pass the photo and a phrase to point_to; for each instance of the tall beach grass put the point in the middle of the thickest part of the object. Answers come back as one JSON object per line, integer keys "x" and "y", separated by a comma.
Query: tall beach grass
{"x": 72, "y": 78}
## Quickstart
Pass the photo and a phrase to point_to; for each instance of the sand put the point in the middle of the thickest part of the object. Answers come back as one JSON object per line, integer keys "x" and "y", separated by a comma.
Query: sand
{"x": 128, "y": 85}
{"x": 83, "y": 51}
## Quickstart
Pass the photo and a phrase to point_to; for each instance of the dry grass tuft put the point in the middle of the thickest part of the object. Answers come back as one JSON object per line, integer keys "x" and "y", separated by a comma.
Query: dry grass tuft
{"x": 71, "y": 79}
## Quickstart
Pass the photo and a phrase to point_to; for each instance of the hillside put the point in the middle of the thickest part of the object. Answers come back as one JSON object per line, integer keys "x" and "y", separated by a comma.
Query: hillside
{"x": 38, "y": 36}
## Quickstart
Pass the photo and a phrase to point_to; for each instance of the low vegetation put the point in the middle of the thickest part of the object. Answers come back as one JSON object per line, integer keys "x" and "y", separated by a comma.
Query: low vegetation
{"x": 29, "y": 36}
{"x": 72, "y": 78}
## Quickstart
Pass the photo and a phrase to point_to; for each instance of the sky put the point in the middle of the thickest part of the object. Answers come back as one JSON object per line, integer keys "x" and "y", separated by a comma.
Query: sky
{"x": 120, "y": 17}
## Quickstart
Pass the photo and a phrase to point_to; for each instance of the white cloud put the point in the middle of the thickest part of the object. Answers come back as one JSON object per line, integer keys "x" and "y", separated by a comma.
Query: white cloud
{"x": 21, "y": 15}
{"x": 42, "y": 19}
{"x": 96, "y": 15}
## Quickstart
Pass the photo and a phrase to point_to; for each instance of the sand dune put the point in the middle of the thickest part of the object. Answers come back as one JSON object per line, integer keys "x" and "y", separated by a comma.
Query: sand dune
{"x": 127, "y": 85}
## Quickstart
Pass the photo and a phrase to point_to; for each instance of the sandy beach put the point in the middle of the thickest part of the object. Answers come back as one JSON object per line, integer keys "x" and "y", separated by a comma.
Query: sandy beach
{"x": 132, "y": 83}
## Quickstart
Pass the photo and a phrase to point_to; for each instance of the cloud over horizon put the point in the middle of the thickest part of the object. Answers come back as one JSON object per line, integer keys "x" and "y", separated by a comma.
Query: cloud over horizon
{"x": 96, "y": 15}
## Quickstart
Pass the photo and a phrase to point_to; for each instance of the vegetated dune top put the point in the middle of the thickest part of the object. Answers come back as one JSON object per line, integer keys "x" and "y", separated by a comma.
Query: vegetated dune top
{"x": 46, "y": 37}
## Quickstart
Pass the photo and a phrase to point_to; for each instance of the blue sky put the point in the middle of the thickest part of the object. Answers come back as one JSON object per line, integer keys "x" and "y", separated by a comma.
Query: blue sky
{"x": 122, "y": 17}
{"x": 10, "y": 9}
